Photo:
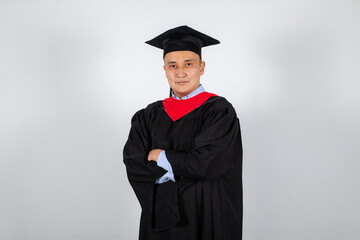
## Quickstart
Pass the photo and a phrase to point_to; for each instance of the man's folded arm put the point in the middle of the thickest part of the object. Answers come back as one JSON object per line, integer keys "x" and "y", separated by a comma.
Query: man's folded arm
{"x": 217, "y": 148}
{"x": 136, "y": 150}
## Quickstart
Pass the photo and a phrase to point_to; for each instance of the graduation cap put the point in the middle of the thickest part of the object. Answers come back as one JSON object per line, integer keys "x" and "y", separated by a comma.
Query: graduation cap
{"x": 182, "y": 38}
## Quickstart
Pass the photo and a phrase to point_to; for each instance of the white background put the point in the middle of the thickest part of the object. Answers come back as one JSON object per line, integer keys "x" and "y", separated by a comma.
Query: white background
{"x": 72, "y": 73}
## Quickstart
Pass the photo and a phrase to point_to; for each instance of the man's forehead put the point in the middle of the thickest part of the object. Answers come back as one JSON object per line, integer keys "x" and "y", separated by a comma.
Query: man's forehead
{"x": 181, "y": 56}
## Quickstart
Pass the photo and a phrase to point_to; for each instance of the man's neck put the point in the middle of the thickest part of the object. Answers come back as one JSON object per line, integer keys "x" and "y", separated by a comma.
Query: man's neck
{"x": 192, "y": 94}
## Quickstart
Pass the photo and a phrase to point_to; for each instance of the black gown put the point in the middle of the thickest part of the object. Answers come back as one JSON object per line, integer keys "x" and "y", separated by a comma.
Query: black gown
{"x": 205, "y": 151}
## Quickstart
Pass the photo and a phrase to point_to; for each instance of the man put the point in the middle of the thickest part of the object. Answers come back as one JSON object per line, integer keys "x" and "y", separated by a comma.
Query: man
{"x": 183, "y": 155}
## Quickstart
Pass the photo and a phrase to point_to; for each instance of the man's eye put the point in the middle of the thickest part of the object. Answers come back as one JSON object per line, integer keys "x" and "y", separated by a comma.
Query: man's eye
{"x": 172, "y": 66}
{"x": 188, "y": 64}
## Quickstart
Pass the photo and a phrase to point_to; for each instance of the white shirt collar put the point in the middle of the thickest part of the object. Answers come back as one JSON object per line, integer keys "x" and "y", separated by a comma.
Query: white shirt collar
{"x": 200, "y": 89}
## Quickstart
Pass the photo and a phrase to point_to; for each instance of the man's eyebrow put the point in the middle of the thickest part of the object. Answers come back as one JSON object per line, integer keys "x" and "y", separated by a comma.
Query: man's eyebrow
{"x": 186, "y": 60}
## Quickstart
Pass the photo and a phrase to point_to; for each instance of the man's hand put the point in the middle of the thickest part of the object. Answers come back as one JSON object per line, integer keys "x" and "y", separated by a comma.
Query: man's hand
{"x": 154, "y": 154}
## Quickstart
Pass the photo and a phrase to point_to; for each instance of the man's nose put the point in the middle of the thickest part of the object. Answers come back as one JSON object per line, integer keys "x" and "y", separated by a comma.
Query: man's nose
{"x": 180, "y": 73}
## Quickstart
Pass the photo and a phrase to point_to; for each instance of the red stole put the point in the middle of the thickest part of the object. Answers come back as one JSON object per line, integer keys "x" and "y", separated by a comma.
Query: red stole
{"x": 178, "y": 108}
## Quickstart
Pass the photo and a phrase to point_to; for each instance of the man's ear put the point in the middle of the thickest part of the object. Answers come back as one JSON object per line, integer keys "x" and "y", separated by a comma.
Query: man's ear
{"x": 164, "y": 66}
{"x": 202, "y": 67}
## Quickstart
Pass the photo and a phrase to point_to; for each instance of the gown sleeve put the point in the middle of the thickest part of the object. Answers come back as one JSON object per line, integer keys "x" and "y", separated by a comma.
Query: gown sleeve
{"x": 136, "y": 150}
{"x": 215, "y": 147}
{"x": 158, "y": 201}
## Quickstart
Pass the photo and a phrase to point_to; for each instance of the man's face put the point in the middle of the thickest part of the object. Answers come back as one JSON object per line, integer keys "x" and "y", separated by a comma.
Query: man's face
{"x": 183, "y": 70}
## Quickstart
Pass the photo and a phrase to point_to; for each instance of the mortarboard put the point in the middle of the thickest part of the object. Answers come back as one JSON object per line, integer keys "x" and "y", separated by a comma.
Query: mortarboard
{"x": 182, "y": 38}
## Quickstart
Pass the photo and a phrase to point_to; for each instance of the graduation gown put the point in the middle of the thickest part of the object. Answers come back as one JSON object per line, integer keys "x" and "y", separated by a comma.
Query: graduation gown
{"x": 204, "y": 148}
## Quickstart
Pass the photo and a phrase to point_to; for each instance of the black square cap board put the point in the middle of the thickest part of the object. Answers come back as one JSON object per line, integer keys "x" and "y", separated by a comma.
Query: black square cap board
{"x": 182, "y": 38}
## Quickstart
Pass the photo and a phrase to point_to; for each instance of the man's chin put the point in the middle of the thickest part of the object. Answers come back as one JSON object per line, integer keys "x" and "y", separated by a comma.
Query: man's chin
{"x": 182, "y": 92}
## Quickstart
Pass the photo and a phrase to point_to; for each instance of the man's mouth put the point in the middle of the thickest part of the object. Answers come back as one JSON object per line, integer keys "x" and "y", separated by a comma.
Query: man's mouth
{"x": 182, "y": 82}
